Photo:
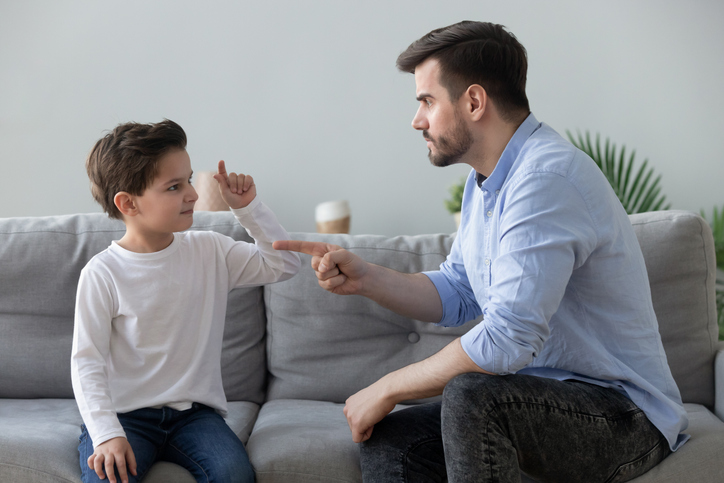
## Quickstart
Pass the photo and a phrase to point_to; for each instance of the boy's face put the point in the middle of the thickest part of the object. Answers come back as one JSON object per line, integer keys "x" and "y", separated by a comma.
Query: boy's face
{"x": 167, "y": 205}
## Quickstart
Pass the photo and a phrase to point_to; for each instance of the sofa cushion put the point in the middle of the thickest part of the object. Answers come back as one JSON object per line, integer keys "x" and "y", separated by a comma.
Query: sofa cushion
{"x": 41, "y": 259}
{"x": 365, "y": 341}
{"x": 39, "y": 441}
{"x": 326, "y": 347}
{"x": 309, "y": 441}
{"x": 304, "y": 442}
{"x": 679, "y": 253}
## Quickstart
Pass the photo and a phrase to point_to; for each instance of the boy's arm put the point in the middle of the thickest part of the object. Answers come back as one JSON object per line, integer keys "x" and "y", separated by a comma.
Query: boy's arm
{"x": 91, "y": 341}
{"x": 258, "y": 263}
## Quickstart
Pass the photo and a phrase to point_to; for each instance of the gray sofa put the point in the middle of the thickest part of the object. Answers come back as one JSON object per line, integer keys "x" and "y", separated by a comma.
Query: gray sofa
{"x": 293, "y": 353}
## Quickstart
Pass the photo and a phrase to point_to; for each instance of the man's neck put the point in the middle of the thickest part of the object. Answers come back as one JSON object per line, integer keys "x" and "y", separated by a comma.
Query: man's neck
{"x": 491, "y": 146}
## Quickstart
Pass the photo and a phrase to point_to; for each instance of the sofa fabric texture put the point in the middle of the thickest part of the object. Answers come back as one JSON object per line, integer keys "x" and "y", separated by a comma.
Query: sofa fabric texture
{"x": 293, "y": 353}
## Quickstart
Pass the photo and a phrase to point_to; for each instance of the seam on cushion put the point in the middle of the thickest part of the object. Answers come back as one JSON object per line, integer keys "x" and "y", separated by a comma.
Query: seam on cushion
{"x": 32, "y": 470}
{"x": 397, "y": 250}
{"x": 317, "y": 477}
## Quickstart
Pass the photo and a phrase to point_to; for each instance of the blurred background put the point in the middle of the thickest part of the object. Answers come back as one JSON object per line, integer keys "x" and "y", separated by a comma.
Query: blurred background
{"x": 305, "y": 96}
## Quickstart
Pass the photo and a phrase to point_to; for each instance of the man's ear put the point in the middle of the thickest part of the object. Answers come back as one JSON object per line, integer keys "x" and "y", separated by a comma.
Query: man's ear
{"x": 477, "y": 101}
{"x": 125, "y": 203}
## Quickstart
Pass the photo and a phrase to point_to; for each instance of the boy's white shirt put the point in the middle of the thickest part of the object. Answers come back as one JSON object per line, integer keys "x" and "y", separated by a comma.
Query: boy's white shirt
{"x": 149, "y": 326}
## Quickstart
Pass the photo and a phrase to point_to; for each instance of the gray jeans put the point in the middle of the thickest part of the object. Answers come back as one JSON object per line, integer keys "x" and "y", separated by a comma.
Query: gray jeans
{"x": 489, "y": 428}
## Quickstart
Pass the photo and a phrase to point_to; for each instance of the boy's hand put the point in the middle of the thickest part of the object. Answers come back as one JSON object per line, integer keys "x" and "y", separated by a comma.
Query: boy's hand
{"x": 116, "y": 451}
{"x": 236, "y": 190}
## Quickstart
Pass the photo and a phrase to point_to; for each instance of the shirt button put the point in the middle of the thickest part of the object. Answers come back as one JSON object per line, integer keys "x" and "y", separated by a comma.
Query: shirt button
{"x": 497, "y": 192}
{"x": 487, "y": 262}
{"x": 490, "y": 213}
{"x": 413, "y": 337}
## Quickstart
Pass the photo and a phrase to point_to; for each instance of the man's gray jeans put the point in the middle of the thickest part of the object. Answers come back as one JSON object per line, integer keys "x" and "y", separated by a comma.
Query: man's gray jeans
{"x": 488, "y": 428}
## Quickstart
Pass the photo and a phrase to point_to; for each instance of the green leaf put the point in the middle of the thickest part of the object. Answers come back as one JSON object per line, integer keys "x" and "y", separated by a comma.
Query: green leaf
{"x": 639, "y": 192}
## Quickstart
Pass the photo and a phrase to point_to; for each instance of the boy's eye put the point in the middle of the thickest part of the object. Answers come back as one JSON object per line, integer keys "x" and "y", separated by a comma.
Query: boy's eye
{"x": 173, "y": 188}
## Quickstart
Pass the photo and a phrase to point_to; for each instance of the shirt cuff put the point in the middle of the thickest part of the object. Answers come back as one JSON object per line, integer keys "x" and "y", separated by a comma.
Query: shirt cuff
{"x": 248, "y": 208}
{"x": 445, "y": 290}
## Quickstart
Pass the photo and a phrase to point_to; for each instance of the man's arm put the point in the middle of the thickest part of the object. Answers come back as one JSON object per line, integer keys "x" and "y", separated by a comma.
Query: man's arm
{"x": 423, "y": 379}
{"x": 341, "y": 272}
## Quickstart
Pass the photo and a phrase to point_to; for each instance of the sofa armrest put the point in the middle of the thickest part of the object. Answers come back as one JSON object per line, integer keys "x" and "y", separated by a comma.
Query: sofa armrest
{"x": 719, "y": 381}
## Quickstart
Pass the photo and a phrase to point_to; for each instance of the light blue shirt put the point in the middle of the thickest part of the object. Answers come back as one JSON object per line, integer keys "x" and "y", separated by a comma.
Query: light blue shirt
{"x": 547, "y": 254}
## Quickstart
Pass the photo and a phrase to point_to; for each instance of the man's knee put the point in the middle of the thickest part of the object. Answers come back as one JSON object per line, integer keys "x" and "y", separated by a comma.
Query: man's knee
{"x": 468, "y": 391}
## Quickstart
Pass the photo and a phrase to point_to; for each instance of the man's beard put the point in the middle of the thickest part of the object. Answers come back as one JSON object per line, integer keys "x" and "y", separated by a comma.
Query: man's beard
{"x": 452, "y": 147}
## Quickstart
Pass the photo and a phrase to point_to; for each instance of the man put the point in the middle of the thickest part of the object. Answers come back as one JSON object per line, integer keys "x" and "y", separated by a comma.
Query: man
{"x": 565, "y": 377}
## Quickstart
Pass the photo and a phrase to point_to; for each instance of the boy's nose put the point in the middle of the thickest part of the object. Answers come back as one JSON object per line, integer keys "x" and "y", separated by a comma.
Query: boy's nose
{"x": 192, "y": 195}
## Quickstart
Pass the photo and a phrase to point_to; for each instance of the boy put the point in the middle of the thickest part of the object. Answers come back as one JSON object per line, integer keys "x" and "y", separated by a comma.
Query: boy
{"x": 150, "y": 311}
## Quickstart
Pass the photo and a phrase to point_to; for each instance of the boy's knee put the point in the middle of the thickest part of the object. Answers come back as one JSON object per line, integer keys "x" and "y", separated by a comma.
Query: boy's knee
{"x": 232, "y": 472}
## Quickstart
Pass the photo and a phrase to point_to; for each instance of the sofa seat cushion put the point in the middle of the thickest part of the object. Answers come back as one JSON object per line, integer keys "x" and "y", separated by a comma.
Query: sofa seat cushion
{"x": 309, "y": 441}
{"x": 700, "y": 459}
{"x": 303, "y": 441}
{"x": 39, "y": 441}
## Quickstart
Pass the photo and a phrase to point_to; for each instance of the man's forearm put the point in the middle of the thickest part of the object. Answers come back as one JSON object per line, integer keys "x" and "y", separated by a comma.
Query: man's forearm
{"x": 429, "y": 377}
{"x": 408, "y": 294}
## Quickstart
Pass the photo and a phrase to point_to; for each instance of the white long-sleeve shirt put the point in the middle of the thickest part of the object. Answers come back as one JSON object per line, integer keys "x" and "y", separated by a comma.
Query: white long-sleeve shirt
{"x": 149, "y": 326}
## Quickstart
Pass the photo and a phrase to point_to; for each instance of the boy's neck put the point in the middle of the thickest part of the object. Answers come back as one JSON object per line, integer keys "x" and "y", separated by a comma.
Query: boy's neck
{"x": 146, "y": 242}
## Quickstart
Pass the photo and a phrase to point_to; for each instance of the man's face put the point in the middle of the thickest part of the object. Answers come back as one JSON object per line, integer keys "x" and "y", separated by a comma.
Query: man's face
{"x": 440, "y": 120}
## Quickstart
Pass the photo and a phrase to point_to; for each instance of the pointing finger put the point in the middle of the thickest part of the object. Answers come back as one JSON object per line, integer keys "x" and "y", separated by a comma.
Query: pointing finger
{"x": 318, "y": 249}
{"x": 222, "y": 168}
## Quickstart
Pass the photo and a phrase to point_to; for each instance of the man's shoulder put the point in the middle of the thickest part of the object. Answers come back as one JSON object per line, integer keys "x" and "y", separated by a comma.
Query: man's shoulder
{"x": 546, "y": 151}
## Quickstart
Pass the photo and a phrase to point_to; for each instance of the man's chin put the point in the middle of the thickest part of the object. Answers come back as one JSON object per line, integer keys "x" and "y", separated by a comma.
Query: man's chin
{"x": 442, "y": 161}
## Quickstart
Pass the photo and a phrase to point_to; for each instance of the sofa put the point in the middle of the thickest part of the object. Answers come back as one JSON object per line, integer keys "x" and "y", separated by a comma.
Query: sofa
{"x": 293, "y": 353}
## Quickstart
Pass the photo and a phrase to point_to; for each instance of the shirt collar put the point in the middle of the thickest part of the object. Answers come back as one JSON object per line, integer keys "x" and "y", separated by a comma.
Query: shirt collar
{"x": 510, "y": 154}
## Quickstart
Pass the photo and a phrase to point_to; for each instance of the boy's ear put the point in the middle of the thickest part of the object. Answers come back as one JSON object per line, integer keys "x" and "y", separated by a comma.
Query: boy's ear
{"x": 125, "y": 204}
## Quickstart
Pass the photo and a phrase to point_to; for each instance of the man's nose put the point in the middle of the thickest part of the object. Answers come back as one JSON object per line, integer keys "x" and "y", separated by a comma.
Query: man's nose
{"x": 419, "y": 122}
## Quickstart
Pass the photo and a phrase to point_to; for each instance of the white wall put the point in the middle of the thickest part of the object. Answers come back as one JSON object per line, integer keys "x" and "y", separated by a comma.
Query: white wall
{"x": 305, "y": 96}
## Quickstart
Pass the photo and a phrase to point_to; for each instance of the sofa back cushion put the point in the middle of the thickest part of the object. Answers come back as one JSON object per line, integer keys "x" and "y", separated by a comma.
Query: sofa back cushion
{"x": 678, "y": 248}
{"x": 325, "y": 346}
{"x": 40, "y": 261}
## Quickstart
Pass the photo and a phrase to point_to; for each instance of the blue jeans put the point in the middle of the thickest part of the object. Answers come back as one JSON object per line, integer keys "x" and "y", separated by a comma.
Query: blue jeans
{"x": 488, "y": 428}
{"x": 197, "y": 439}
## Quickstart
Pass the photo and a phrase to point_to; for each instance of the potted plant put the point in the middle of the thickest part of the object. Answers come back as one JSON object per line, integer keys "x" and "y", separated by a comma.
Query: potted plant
{"x": 454, "y": 203}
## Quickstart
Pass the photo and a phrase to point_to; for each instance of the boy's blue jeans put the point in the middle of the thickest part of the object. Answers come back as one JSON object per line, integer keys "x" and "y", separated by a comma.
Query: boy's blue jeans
{"x": 197, "y": 439}
{"x": 487, "y": 427}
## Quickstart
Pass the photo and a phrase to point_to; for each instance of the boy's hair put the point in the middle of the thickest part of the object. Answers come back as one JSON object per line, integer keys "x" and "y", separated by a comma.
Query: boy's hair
{"x": 126, "y": 159}
{"x": 480, "y": 53}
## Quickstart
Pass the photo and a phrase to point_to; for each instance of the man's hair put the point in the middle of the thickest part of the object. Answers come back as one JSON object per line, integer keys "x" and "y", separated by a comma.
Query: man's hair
{"x": 126, "y": 159}
{"x": 480, "y": 53}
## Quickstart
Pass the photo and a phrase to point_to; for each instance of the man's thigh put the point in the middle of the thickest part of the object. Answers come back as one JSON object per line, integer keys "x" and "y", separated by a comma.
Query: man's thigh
{"x": 554, "y": 430}
{"x": 206, "y": 446}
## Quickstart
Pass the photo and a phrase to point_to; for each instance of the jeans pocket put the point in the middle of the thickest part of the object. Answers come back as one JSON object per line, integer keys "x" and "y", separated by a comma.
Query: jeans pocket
{"x": 642, "y": 464}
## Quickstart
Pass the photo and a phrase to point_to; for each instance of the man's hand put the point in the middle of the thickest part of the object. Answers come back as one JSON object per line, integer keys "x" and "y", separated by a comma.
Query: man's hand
{"x": 367, "y": 408}
{"x": 237, "y": 190}
{"x": 116, "y": 451}
{"x": 337, "y": 270}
